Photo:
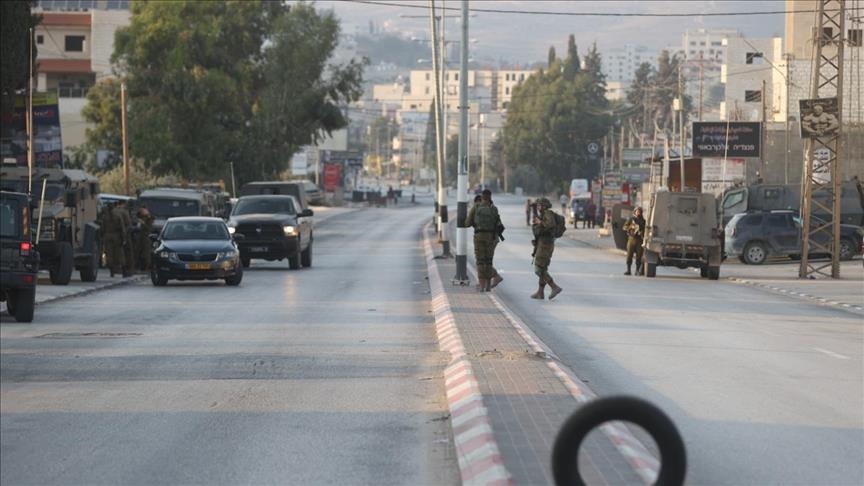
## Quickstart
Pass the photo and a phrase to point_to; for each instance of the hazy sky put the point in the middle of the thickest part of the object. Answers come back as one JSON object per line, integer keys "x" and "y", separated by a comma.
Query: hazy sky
{"x": 519, "y": 36}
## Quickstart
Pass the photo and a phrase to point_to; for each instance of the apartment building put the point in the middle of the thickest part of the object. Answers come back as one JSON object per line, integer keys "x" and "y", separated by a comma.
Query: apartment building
{"x": 748, "y": 75}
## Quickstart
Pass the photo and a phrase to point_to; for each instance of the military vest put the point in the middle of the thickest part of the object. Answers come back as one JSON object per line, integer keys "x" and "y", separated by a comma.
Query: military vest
{"x": 485, "y": 218}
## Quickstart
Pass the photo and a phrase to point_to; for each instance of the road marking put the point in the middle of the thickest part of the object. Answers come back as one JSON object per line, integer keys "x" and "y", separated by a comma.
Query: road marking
{"x": 832, "y": 353}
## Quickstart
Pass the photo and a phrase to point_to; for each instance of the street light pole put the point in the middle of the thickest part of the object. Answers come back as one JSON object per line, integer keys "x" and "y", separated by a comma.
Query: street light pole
{"x": 462, "y": 182}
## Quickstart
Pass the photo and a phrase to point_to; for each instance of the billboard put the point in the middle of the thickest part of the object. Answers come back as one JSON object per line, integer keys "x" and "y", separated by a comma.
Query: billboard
{"x": 727, "y": 139}
{"x": 718, "y": 176}
{"x": 47, "y": 143}
{"x": 819, "y": 117}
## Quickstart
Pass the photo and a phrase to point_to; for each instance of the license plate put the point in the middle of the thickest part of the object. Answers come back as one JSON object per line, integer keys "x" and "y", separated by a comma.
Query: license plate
{"x": 258, "y": 249}
{"x": 199, "y": 266}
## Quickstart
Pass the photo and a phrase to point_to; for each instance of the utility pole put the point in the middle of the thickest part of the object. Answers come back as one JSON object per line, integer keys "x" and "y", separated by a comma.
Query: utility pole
{"x": 701, "y": 84}
{"x": 125, "y": 134}
{"x": 818, "y": 194}
{"x": 461, "y": 277}
{"x": 681, "y": 123}
{"x": 788, "y": 58}
{"x": 30, "y": 121}
{"x": 440, "y": 205}
{"x": 763, "y": 136}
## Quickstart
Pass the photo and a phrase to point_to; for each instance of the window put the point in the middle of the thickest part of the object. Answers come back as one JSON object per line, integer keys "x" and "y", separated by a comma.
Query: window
{"x": 522, "y": 77}
{"x": 428, "y": 76}
{"x": 40, "y": 39}
{"x": 702, "y": 43}
{"x": 754, "y": 58}
{"x": 716, "y": 43}
{"x": 777, "y": 221}
{"x": 754, "y": 220}
{"x": 507, "y": 90}
{"x": 855, "y": 38}
{"x": 753, "y": 95}
{"x": 827, "y": 35}
{"x": 427, "y": 89}
{"x": 74, "y": 43}
{"x": 456, "y": 76}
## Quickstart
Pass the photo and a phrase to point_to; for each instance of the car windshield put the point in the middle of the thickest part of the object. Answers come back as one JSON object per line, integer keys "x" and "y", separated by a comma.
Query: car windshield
{"x": 195, "y": 230}
{"x": 264, "y": 206}
{"x": 168, "y": 208}
{"x": 53, "y": 192}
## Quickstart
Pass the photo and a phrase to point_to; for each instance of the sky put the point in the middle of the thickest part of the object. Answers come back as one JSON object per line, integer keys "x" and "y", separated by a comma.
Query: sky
{"x": 505, "y": 30}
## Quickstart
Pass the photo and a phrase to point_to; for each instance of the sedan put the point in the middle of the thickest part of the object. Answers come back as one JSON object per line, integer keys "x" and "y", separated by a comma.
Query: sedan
{"x": 195, "y": 248}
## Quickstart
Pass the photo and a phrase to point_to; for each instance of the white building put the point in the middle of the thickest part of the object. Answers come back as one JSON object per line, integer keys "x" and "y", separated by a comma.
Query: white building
{"x": 749, "y": 68}
{"x": 620, "y": 64}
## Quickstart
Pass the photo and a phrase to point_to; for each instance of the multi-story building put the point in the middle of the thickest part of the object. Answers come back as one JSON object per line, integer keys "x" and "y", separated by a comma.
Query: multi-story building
{"x": 620, "y": 64}
{"x": 748, "y": 74}
{"x": 74, "y": 44}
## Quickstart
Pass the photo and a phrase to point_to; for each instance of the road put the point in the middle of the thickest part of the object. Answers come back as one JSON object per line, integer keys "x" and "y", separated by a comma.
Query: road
{"x": 325, "y": 375}
{"x": 332, "y": 374}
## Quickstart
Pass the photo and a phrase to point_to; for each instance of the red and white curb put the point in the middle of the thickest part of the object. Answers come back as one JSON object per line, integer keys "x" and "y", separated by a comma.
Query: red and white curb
{"x": 480, "y": 461}
{"x": 802, "y": 295}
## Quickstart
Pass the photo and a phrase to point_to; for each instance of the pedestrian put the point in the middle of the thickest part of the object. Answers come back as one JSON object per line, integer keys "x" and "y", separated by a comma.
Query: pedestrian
{"x": 574, "y": 209}
{"x": 562, "y": 198}
{"x": 122, "y": 225}
{"x": 528, "y": 211}
{"x": 485, "y": 220}
{"x": 635, "y": 229}
{"x": 543, "y": 226}
{"x": 590, "y": 214}
{"x": 142, "y": 243}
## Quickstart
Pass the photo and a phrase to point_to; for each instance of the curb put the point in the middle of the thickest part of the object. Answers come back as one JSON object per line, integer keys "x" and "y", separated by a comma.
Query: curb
{"x": 477, "y": 452}
{"x": 854, "y": 308}
{"x": 125, "y": 281}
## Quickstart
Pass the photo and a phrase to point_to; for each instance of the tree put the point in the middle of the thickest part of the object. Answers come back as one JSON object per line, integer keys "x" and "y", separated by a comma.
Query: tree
{"x": 16, "y": 20}
{"x": 639, "y": 96}
{"x": 210, "y": 83}
{"x": 379, "y": 141}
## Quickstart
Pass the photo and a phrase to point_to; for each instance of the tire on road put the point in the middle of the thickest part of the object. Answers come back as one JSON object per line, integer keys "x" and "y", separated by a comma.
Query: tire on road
{"x": 755, "y": 253}
{"x": 294, "y": 260}
{"x": 306, "y": 256}
{"x": 235, "y": 279}
{"x": 91, "y": 271}
{"x": 21, "y": 304}
{"x": 61, "y": 273}
{"x": 157, "y": 278}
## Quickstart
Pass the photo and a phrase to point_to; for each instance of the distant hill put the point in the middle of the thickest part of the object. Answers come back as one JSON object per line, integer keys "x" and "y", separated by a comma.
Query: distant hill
{"x": 388, "y": 48}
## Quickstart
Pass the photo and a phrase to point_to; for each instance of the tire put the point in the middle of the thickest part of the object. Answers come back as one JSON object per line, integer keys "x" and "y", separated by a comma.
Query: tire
{"x": 235, "y": 279}
{"x": 245, "y": 261}
{"x": 61, "y": 274}
{"x": 11, "y": 301}
{"x": 755, "y": 253}
{"x": 157, "y": 278}
{"x": 25, "y": 302}
{"x": 703, "y": 271}
{"x": 306, "y": 255}
{"x": 294, "y": 260}
{"x": 714, "y": 273}
{"x": 91, "y": 271}
{"x": 847, "y": 249}
{"x": 650, "y": 270}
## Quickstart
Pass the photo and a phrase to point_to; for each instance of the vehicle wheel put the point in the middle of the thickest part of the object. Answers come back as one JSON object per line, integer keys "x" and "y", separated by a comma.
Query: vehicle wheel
{"x": 650, "y": 270}
{"x": 306, "y": 256}
{"x": 294, "y": 260}
{"x": 235, "y": 279}
{"x": 25, "y": 301}
{"x": 245, "y": 261}
{"x": 157, "y": 278}
{"x": 11, "y": 300}
{"x": 713, "y": 273}
{"x": 91, "y": 271}
{"x": 703, "y": 271}
{"x": 795, "y": 256}
{"x": 755, "y": 253}
{"x": 62, "y": 273}
{"x": 847, "y": 249}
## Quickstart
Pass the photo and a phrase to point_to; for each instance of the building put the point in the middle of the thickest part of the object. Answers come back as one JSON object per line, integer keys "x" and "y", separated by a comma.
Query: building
{"x": 621, "y": 64}
{"x": 748, "y": 74}
{"x": 74, "y": 44}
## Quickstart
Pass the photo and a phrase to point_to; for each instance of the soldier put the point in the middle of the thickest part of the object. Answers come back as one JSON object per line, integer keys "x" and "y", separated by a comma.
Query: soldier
{"x": 485, "y": 220}
{"x": 119, "y": 237}
{"x": 635, "y": 229}
{"x": 142, "y": 241}
{"x": 544, "y": 244}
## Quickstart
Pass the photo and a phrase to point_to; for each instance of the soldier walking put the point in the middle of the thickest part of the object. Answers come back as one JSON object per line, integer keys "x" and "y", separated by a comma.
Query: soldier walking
{"x": 485, "y": 220}
{"x": 142, "y": 241}
{"x": 635, "y": 229}
{"x": 544, "y": 244}
{"x": 119, "y": 235}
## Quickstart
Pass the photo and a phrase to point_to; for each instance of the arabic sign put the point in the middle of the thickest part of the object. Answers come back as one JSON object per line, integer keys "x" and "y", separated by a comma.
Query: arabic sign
{"x": 727, "y": 139}
{"x": 47, "y": 143}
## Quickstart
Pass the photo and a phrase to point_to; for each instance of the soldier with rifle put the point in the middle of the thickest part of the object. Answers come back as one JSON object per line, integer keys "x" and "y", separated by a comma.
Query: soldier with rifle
{"x": 543, "y": 226}
{"x": 486, "y": 221}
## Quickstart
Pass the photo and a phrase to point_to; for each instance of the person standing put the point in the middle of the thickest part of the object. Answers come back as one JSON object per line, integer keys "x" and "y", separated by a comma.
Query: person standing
{"x": 635, "y": 229}
{"x": 485, "y": 220}
{"x": 143, "y": 245}
{"x": 590, "y": 214}
{"x": 528, "y": 210}
{"x": 544, "y": 245}
{"x": 122, "y": 228}
{"x": 562, "y": 198}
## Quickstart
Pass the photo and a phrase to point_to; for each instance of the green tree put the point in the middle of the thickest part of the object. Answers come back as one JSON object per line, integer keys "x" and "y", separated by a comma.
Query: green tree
{"x": 16, "y": 20}
{"x": 639, "y": 96}
{"x": 210, "y": 83}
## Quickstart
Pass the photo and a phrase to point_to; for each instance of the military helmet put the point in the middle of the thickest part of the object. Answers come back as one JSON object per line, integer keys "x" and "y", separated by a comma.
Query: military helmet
{"x": 544, "y": 202}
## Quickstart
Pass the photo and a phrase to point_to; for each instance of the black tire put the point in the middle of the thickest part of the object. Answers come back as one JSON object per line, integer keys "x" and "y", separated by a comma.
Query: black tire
{"x": 565, "y": 450}
{"x": 306, "y": 255}
{"x": 847, "y": 249}
{"x": 25, "y": 302}
{"x": 714, "y": 273}
{"x": 650, "y": 270}
{"x": 91, "y": 271}
{"x": 755, "y": 253}
{"x": 11, "y": 302}
{"x": 157, "y": 278}
{"x": 235, "y": 279}
{"x": 294, "y": 260}
{"x": 61, "y": 273}
{"x": 245, "y": 261}
{"x": 703, "y": 271}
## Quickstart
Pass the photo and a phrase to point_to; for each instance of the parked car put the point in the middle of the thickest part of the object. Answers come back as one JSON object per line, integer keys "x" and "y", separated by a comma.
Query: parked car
{"x": 274, "y": 228}
{"x": 313, "y": 193}
{"x": 195, "y": 248}
{"x": 755, "y": 237}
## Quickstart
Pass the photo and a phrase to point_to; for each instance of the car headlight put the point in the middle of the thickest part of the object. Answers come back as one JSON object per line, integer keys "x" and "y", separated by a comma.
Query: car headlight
{"x": 289, "y": 230}
{"x": 167, "y": 254}
{"x": 224, "y": 255}
{"x": 232, "y": 228}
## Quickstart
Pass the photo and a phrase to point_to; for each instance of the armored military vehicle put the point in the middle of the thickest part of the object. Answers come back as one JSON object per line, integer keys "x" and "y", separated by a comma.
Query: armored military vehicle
{"x": 168, "y": 202}
{"x": 682, "y": 231}
{"x": 64, "y": 221}
{"x": 19, "y": 263}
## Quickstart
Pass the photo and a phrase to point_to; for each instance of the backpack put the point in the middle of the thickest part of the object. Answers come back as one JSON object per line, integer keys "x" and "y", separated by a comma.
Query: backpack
{"x": 560, "y": 226}
{"x": 485, "y": 218}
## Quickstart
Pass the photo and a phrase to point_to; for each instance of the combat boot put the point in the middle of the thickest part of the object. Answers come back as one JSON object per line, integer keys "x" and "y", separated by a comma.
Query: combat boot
{"x": 555, "y": 290}
{"x": 540, "y": 293}
{"x": 483, "y": 284}
{"x": 496, "y": 279}
{"x": 628, "y": 271}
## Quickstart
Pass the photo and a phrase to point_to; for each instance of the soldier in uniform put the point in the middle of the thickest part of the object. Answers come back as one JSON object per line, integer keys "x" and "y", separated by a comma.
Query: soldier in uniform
{"x": 543, "y": 226}
{"x": 485, "y": 220}
{"x": 635, "y": 229}
{"x": 119, "y": 236}
{"x": 142, "y": 240}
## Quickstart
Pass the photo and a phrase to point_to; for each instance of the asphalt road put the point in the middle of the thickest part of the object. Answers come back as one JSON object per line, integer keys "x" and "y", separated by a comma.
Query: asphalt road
{"x": 325, "y": 375}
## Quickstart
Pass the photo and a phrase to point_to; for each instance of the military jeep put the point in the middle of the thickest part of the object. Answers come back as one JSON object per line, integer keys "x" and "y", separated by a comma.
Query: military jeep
{"x": 64, "y": 223}
{"x": 682, "y": 231}
{"x": 19, "y": 260}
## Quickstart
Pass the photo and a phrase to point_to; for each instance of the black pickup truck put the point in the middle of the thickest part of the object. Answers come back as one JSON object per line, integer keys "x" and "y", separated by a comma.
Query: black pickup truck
{"x": 19, "y": 260}
{"x": 274, "y": 227}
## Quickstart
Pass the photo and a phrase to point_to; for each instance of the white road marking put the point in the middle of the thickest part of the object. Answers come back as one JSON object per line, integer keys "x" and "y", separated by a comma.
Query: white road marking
{"x": 832, "y": 353}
